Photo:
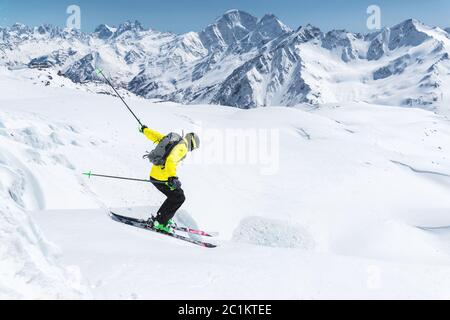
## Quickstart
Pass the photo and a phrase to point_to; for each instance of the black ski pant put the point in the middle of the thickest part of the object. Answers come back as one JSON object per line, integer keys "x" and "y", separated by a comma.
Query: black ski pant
{"x": 174, "y": 201}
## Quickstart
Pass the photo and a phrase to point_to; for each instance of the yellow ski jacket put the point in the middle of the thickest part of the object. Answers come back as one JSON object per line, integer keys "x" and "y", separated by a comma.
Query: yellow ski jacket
{"x": 163, "y": 173}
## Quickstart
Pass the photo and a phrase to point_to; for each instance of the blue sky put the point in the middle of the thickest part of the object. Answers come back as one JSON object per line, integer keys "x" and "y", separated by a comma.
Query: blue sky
{"x": 192, "y": 15}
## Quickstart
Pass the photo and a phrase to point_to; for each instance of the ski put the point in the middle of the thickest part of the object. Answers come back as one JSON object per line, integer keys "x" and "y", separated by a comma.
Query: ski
{"x": 183, "y": 229}
{"x": 143, "y": 225}
{"x": 197, "y": 232}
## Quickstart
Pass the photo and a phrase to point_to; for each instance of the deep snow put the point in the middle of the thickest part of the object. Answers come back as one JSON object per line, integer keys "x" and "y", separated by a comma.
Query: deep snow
{"x": 352, "y": 203}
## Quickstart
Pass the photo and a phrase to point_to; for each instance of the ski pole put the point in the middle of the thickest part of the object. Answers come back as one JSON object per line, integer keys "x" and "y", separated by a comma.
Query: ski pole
{"x": 90, "y": 174}
{"x": 99, "y": 71}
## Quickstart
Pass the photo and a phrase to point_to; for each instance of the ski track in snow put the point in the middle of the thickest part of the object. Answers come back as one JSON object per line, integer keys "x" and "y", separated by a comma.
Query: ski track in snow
{"x": 438, "y": 177}
{"x": 422, "y": 171}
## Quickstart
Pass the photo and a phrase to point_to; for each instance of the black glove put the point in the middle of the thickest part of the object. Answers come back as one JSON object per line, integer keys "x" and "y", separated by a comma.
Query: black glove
{"x": 141, "y": 130}
{"x": 174, "y": 183}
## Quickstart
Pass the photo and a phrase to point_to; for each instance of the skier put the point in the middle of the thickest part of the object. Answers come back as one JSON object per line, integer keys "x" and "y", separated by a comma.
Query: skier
{"x": 171, "y": 150}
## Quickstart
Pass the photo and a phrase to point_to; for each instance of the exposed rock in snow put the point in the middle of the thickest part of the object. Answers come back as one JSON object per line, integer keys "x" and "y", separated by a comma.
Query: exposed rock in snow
{"x": 132, "y": 56}
{"x": 84, "y": 69}
{"x": 408, "y": 33}
{"x": 129, "y": 26}
{"x": 395, "y": 67}
{"x": 272, "y": 78}
{"x": 228, "y": 29}
{"x": 104, "y": 32}
{"x": 341, "y": 40}
{"x": 267, "y": 29}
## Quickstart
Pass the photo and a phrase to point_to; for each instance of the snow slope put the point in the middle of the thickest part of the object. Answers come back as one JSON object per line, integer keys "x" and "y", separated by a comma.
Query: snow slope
{"x": 351, "y": 203}
{"x": 28, "y": 262}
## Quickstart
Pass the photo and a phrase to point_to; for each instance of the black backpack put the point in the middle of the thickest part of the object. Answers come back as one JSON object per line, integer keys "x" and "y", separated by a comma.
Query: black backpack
{"x": 159, "y": 155}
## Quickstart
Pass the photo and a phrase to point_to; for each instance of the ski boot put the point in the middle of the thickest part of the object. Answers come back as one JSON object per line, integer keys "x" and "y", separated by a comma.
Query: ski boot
{"x": 172, "y": 224}
{"x": 162, "y": 228}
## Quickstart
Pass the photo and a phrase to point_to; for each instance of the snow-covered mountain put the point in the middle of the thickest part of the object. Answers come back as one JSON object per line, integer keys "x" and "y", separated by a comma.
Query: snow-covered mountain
{"x": 246, "y": 62}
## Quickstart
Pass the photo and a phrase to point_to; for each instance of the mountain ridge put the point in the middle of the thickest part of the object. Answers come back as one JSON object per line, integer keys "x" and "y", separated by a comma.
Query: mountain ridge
{"x": 243, "y": 61}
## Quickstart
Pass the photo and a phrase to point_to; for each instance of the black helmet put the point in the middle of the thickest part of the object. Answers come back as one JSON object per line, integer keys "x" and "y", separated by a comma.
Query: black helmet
{"x": 193, "y": 141}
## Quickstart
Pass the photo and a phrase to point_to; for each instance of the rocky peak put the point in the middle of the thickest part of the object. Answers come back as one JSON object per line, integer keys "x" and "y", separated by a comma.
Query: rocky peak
{"x": 135, "y": 26}
{"x": 104, "y": 31}
{"x": 228, "y": 29}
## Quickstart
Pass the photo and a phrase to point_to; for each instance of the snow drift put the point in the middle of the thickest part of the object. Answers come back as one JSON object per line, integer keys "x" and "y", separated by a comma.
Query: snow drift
{"x": 29, "y": 268}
